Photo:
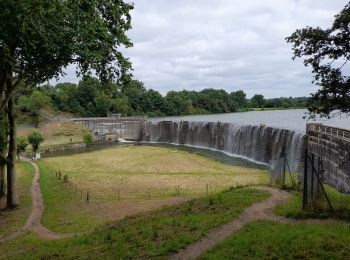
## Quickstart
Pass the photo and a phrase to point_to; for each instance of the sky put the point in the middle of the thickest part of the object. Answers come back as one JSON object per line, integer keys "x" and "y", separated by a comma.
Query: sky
{"x": 222, "y": 44}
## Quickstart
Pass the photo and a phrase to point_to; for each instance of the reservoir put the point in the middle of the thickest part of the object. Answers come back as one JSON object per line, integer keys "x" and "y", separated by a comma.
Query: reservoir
{"x": 283, "y": 119}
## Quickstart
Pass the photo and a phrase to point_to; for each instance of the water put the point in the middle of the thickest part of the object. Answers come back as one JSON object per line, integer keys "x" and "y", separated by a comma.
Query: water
{"x": 255, "y": 143}
{"x": 213, "y": 154}
{"x": 95, "y": 147}
{"x": 285, "y": 119}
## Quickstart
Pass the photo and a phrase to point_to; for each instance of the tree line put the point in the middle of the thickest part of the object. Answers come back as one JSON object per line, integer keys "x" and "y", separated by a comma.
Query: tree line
{"x": 89, "y": 98}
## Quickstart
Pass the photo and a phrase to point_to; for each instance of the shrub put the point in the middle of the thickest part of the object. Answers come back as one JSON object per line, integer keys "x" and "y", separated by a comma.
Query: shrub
{"x": 35, "y": 139}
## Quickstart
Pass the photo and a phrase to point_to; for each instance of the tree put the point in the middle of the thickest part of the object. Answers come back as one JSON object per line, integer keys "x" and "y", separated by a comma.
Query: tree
{"x": 87, "y": 138}
{"x": 240, "y": 98}
{"x": 3, "y": 148}
{"x": 38, "y": 39}
{"x": 35, "y": 139}
{"x": 327, "y": 51}
{"x": 258, "y": 101}
{"x": 34, "y": 104}
{"x": 22, "y": 144}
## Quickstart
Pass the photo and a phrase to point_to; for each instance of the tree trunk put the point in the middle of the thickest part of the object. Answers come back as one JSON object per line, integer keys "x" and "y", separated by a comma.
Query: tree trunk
{"x": 12, "y": 198}
{"x": 2, "y": 175}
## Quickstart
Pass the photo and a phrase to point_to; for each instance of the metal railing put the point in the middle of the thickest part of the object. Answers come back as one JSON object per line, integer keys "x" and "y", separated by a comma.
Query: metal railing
{"x": 329, "y": 130}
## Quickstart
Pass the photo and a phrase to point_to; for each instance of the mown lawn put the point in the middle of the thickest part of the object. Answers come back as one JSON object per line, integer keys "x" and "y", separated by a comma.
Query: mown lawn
{"x": 151, "y": 235}
{"x": 11, "y": 220}
{"x": 129, "y": 179}
{"x": 269, "y": 240}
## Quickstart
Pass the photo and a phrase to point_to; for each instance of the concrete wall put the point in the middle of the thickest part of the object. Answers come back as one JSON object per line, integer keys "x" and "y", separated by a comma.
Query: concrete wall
{"x": 128, "y": 128}
{"x": 332, "y": 146}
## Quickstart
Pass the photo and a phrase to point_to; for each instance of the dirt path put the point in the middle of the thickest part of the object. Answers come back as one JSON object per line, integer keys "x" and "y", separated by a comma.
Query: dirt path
{"x": 258, "y": 211}
{"x": 34, "y": 220}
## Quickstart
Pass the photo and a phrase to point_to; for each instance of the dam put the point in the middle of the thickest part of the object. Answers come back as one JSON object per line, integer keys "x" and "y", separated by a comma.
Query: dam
{"x": 258, "y": 143}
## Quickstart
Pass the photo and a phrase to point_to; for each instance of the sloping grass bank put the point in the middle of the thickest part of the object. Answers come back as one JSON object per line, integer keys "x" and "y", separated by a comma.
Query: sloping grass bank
{"x": 127, "y": 178}
{"x": 147, "y": 236}
{"x": 269, "y": 240}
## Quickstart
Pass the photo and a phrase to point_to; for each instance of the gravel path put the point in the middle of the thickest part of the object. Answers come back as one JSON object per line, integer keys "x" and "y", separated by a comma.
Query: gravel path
{"x": 258, "y": 211}
{"x": 34, "y": 220}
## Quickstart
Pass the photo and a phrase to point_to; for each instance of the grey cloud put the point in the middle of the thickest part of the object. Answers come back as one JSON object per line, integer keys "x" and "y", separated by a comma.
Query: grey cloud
{"x": 229, "y": 44}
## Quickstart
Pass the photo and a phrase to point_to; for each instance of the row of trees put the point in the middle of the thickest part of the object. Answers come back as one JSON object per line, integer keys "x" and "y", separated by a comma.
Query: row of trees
{"x": 89, "y": 98}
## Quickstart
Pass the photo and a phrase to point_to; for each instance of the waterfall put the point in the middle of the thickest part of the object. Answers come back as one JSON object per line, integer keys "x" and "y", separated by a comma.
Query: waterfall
{"x": 258, "y": 143}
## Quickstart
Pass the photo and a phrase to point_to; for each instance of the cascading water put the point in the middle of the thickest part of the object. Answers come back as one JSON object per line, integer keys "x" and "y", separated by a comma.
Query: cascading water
{"x": 258, "y": 143}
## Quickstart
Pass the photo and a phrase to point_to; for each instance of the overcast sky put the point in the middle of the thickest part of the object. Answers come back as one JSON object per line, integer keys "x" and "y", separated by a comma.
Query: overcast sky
{"x": 223, "y": 44}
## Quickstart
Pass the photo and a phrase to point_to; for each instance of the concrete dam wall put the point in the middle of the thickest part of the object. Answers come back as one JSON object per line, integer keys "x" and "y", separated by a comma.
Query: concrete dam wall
{"x": 332, "y": 146}
{"x": 258, "y": 143}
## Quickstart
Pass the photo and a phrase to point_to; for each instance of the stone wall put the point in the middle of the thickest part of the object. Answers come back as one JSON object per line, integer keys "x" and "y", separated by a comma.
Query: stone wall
{"x": 332, "y": 146}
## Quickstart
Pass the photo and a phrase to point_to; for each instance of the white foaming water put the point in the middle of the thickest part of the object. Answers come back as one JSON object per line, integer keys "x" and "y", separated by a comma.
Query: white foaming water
{"x": 254, "y": 143}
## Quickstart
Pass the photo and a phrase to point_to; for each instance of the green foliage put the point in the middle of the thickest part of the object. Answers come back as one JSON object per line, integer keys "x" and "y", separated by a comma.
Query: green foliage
{"x": 34, "y": 104}
{"x": 92, "y": 98}
{"x": 327, "y": 52}
{"x": 35, "y": 139}
{"x": 22, "y": 143}
{"x": 258, "y": 101}
{"x": 88, "y": 139}
{"x": 39, "y": 38}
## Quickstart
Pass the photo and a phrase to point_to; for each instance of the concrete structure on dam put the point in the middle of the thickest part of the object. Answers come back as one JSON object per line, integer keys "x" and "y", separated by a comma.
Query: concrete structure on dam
{"x": 114, "y": 127}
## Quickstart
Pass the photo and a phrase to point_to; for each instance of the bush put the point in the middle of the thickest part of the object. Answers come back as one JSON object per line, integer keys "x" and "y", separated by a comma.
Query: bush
{"x": 22, "y": 144}
{"x": 87, "y": 138}
{"x": 35, "y": 139}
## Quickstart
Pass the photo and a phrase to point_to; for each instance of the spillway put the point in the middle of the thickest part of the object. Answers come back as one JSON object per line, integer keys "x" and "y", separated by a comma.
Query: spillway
{"x": 258, "y": 143}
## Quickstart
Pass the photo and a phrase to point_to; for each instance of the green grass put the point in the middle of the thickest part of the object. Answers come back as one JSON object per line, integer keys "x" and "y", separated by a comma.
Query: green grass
{"x": 320, "y": 209}
{"x": 275, "y": 108}
{"x": 55, "y": 133}
{"x": 64, "y": 209}
{"x": 269, "y": 240}
{"x": 142, "y": 175}
{"x": 156, "y": 234}
{"x": 11, "y": 220}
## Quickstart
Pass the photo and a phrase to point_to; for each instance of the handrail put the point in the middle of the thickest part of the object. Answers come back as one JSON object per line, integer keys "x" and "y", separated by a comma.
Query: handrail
{"x": 328, "y": 130}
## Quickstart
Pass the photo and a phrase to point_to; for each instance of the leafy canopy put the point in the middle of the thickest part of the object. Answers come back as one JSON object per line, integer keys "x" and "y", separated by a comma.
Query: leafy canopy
{"x": 327, "y": 51}
{"x": 39, "y": 38}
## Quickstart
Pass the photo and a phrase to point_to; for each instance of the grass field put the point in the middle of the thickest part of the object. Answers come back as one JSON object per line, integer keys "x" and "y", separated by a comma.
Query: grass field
{"x": 146, "y": 175}
{"x": 152, "y": 235}
{"x": 10, "y": 221}
{"x": 340, "y": 202}
{"x": 55, "y": 133}
{"x": 269, "y": 240}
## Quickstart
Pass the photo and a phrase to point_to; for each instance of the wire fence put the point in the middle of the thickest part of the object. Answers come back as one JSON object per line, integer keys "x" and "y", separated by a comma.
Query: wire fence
{"x": 281, "y": 175}
{"x": 320, "y": 193}
{"x": 116, "y": 194}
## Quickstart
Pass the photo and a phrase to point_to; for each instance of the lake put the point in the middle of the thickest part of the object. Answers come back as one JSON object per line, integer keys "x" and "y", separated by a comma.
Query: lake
{"x": 285, "y": 119}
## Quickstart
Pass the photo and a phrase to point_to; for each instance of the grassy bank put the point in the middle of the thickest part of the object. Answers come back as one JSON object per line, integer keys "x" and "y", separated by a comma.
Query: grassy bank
{"x": 153, "y": 235}
{"x": 11, "y": 220}
{"x": 269, "y": 240}
{"x": 340, "y": 203}
{"x": 148, "y": 176}
{"x": 55, "y": 133}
